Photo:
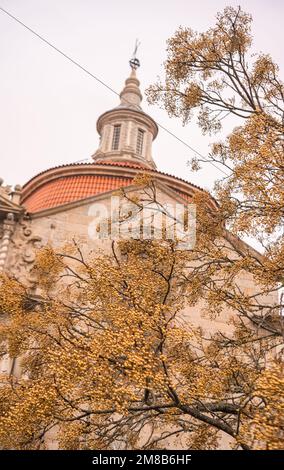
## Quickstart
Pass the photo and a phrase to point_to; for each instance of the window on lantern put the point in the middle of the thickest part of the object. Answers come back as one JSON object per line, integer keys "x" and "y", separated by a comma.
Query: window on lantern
{"x": 139, "y": 144}
{"x": 115, "y": 137}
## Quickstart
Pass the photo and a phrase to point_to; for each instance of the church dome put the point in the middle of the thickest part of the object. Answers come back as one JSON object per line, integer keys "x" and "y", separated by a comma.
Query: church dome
{"x": 125, "y": 149}
{"x": 75, "y": 182}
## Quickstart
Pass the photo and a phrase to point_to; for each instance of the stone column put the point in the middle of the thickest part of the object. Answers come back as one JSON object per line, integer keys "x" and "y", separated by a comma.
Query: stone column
{"x": 8, "y": 229}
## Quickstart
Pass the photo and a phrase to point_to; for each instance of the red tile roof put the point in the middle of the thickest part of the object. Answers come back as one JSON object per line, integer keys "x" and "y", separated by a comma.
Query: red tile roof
{"x": 73, "y": 188}
{"x": 56, "y": 188}
{"x": 125, "y": 164}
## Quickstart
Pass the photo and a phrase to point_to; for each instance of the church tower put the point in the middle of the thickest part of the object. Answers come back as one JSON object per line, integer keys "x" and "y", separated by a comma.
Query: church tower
{"x": 126, "y": 131}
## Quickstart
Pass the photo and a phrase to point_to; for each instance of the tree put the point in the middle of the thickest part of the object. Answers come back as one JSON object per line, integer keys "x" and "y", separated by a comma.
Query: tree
{"x": 107, "y": 356}
{"x": 213, "y": 74}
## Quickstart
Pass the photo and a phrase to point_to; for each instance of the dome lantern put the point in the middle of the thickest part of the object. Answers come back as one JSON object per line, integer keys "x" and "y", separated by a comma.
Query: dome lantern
{"x": 126, "y": 131}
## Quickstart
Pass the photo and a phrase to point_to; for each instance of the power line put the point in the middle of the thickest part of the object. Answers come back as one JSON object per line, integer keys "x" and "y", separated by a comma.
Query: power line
{"x": 74, "y": 62}
{"x": 58, "y": 50}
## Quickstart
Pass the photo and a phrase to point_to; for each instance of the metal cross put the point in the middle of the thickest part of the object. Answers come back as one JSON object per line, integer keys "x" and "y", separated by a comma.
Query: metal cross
{"x": 134, "y": 62}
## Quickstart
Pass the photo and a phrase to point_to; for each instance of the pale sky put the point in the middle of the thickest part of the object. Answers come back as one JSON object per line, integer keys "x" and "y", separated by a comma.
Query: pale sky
{"x": 49, "y": 107}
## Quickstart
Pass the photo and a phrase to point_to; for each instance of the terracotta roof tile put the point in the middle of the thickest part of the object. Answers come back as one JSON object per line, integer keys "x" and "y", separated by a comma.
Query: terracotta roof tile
{"x": 125, "y": 164}
{"x": 72, "y": 188}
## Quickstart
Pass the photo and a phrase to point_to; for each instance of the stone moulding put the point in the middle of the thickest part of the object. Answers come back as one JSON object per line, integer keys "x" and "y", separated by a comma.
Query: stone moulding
{"x": 22, "y": 253}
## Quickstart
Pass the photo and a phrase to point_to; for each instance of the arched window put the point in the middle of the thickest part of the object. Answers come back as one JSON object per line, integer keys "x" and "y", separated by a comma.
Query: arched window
{"x": 115, "y": 137}
{"x": 139, "y": 143}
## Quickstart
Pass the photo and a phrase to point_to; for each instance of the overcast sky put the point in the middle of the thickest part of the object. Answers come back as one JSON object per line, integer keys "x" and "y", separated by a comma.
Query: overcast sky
{"x": 49, "y": 107}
